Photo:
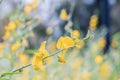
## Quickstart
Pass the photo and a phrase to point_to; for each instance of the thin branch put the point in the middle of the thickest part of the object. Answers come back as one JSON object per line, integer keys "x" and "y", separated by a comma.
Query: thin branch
{"x": 21, "y": 68}
{"x": 52, "y": 54}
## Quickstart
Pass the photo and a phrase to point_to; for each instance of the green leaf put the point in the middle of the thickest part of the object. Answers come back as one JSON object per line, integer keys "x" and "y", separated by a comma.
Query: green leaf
{"x": 31, "y": 51}
{"x": 88, "y": 36}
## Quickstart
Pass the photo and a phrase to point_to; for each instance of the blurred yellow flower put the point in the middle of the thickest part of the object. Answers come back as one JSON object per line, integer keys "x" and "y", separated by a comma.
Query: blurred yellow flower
{"x": 12, "y": 25}
{"x": 85, "y": 76}
{"x": 28, "y": 9}
{"x": 49, "y": 30}
{"x": 25, "y": 43}
{"x": 6, "y": 35}
{"x": 35, "y": 2}
{"x": 52, "y": 47}
{"x": 80, "y": 44}
{"x": 24, "y": 59}
{"x": 1, "y": 48}
{"x": 102, "y": 43}
{"x": 104, "y": 71}
{"x": 64, "y": 15}
{"x": 114, "y": 44}
{"x": 75, "y": 33}
{"x": 67, "y": 78}
{"x": 93, "y": 22}
{"x": 76, "y": 76}
{"x": 7, "y": 28}
{"x": 37, "y": 77}
{"x": 37, "y": 61}
{"x": 118, "y": 78}
{"x": 15, "y": 46}
{"x": 98, "y": 59}
{"x": 76, "y": 64}
{"x": 18, "y": 23}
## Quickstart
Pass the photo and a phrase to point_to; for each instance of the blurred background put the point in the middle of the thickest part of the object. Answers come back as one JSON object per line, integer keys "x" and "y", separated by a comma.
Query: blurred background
{"x": 25, "y": 24}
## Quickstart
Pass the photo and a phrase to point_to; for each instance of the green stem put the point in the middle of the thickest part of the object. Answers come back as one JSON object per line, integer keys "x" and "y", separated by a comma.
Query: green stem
{"x": 52, "y": 54}
{"x": 21, "y": 68}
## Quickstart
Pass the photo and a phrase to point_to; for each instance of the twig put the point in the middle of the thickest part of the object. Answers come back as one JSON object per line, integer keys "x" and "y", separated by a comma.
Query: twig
{"x": 21, "y": 68}
{"x": 52, "y": 54}
{"x": 4, "y": 74}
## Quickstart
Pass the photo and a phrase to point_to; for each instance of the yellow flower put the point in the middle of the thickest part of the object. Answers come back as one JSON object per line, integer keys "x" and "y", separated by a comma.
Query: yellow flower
{"x": 28, "y": 9}
{"x": 7, "y": 28}
{"x": 60, "y": 42}
{"x": 76, "y": 76}
{"x": 37, "y": 77}
{"x": 15, "y": 46}
{"x": 114, "y": 44}
{"x": 98, "y": 59}
{"x": 61, "y": 59}
{"x": 86, "y": 75}
{"x": 63, "y": 15}
{"x": 67, "y": 78}
{"x": 44, "y": 52}
{"x": 102, "y": 43}
{"x": 80, "y": 44}
{"x": 76, "y": 64}
{"x": 37, "y": 61}
{"x": 104, "y": 71}
{"x": 35, "y": 2}
{"x": 1, "y": 48}
{"x": 93, "y": 22}
{"x": 12, "y": 25}
{"x": 23, "y": 58}
{"x": 75, "y": 33}
{"x": 25, "y": 43}
{"x": 6, "y": 35}
{"x": 65, "y": 42}
{"x": 49, "y": 30}
{"x": 118, "y": 78}
{"x": 18, "y": 23}
{"x": 61, "y": 56}
{"x": 52, "y": 47}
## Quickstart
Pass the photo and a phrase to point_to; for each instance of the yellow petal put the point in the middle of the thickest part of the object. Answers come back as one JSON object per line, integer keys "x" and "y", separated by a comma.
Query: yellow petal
{"x": 75, "y": 33}
{"x": 28, "y": 9}
{"x": 6, "y": 35}
{"x": 60, "y": 42}
{"x": 98, "y": 59}
{"x": 37, "y": 62}
{"x": 63, "y": 15}
{"x": 12, "y": 25}
{"x": 61, "y": 59}
{"x": 42, "y": 47}
{"x": 68, "y": 42}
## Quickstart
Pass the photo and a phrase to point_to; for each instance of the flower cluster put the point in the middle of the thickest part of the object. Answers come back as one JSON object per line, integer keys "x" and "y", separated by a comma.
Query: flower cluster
{"x": 63, "y": 44}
